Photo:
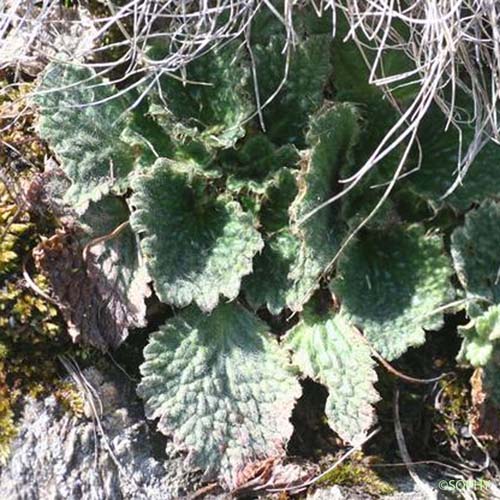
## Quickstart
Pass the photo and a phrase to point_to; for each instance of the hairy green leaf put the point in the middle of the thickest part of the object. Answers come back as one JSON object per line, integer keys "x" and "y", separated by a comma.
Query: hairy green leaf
{"x": 280, "y": 193}
{"x": 437, "y": 171}
{"x": 480, "y": 337}
{"x": 221, "y": 386}
{"x": 197, "y": 246}
{"x": 300, "y": 91}
{"x": 104, "y": 217}
{"x": 351, "y": 71}
{"x": 306, "y": 22}
{"x": 257, "y": 169}
{"x": 474, "y": 248}
{"x": 329, "y": 351}
{"x": 211, "y": 104}
{"x": 390, "y": 284}
{"x": 253, "y": 167}
{"x": 269, "y": 283}
{"x": 332, "y": 135}
{"x": 358, "y": 203}
{"x": 147, "y": 137}
{"x": 82, "y": 122}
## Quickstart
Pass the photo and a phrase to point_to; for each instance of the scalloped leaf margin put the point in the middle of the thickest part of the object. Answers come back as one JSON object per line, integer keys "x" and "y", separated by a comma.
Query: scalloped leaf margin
{"x": 82, "y": 120}
{"x": 222, "y": 387}
{"x": 196, "y": 247}
{"x": 390, "y": 284}
{"x": 331, "y": 352}
{"x": 333, "y": 132}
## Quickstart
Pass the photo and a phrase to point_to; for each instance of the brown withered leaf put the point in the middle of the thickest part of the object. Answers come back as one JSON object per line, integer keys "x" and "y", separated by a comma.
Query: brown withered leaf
{"x": 485, "y": 418}
{"x": 90, "y": 292}
{"x": 44, "y": 192}
{"x": 272, "y": 475}
{"x": 118, "y": 258}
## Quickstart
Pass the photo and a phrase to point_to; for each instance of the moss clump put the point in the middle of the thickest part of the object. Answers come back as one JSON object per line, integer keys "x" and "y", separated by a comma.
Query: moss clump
{"x": 7, "y": 426}
{"x": 69, "y": 397}
{"x": 13, "y": 226}
{"x": 24, "y": 315}
{"x": 30, "y": 328}
{"x": 455, "y": 407}
{"x": 32, "y": 333}
{"x": 357, "y": 473}
{"x": 22, "y": 148}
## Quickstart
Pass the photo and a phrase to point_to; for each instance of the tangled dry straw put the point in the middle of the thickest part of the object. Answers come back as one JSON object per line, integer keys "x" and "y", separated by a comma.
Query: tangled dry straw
{"x": 454, "y": 47}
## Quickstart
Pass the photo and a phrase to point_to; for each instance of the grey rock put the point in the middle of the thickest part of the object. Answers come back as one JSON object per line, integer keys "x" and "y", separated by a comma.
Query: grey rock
{"x": 342, "y": 493}
{"x": 332, "y": 493}
{"x": 59, "y": 456}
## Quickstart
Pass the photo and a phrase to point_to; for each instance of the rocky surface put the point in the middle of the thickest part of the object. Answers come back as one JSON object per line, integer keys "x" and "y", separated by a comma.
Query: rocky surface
{"x": 60, "y": 456}
{"x": 341, "y": 493}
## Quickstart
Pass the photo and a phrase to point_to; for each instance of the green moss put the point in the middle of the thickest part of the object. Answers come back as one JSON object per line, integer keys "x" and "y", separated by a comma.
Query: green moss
{"x": 25, "y": 149}
{"x": 69, "y": 397}
{"x": 32, "y": 334}
{"x": 7, "y": 426}
{"x": 12, "y": 228}
{"x": 454, "y": 409}
{"x": 24, "y": 315}
{"x": 357, "y": 472}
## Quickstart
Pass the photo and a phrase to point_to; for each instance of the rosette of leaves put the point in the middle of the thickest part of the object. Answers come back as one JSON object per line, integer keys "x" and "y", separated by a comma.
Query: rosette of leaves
{"x": 221, "y": 386}
{"x": 197, "y": 245}
{"x": 92, "y": 154}
{"x": 329, "y": 350}
{"x": 393, "y": 286}
{"x": 215, "y": 213}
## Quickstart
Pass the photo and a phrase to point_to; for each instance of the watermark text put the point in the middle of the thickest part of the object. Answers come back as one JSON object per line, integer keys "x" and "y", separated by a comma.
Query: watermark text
{"x": 464, "y": 484}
